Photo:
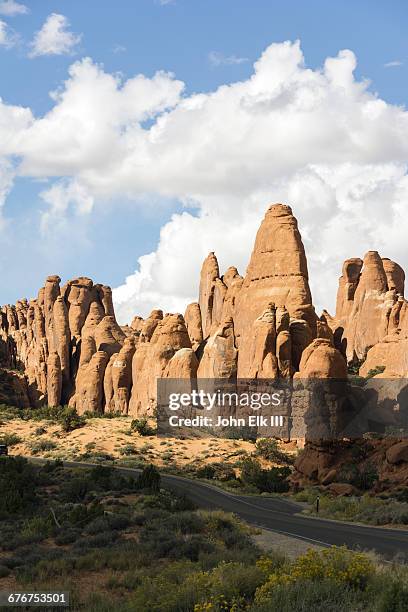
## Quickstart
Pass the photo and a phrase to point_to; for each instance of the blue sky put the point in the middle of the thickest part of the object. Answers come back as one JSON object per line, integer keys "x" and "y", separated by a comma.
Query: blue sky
{"x": 206, "y": 44}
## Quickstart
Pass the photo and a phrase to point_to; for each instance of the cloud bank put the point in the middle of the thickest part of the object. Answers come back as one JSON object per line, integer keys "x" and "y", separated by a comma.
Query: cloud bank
{"x": 316, "y": 139}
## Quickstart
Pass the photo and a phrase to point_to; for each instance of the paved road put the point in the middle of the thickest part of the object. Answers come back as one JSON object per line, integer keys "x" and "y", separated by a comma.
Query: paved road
{"x": 283, "y": 516}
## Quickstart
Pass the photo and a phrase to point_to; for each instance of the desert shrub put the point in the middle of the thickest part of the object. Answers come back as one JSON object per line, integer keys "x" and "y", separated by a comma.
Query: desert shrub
{"x": 385, "y": 513}
{"x": 353, "y": 368}
{"x": 52, "y": 466}
{"x": 234, "y": 580}
{"x": 272, "y": 481}
{"x": 99, "y": 540}
{"x": 10, "y": 439}
{"x": 142, "y": 427}
{"x": 68, "y": 536}
{"x": 268, "y": 448}
{"x": 402, "y": 495}
{"x": 338, "y": 565}
{"x": 306, "y": 596}
{"x": 207, "y": 472}
{"x": 219, "y": 471}
{"x": 186, "y": 522}
{"x": 366, "y": 477}
{"x": 64, "y": 415}
{"x": 104, "y": 478}
{"x": 4, "y": 571}
{"x": 17, "y": 485}
{"x": 42, "y": 446}
{"x": 224, "y": 471}
{"x": 362, "y": 477}
{"x": 105, "y": 523}
{"x": 128, "y": 450}
{"x": 8, "y": 413}
{"x": 273, "y": 561}
{"x": 70, "y": 419}
{"x": 76, "y": 489}
{"x": 379, "y": 369}
{"x": 37, "y": 528}
{"x": 149, "y": 478}
{"x": 393, "y": 597}
{"x": 81, "y": 514}
{"x": 40, "y": 431}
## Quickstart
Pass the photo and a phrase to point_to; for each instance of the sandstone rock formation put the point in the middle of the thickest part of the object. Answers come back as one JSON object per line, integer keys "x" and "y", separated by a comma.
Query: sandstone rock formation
{"x": 63, "y": 340}
{"x": 369, "y": 303}
{"x": 321, "y": 360}
{"x": 262, "y": 326}
{"x": 192, "y": 317}
{"x": 219, "y": 359}
{"x": 277, "y": 273}
{"x": 151, "y": 360}
{"x": 208, "y": 277}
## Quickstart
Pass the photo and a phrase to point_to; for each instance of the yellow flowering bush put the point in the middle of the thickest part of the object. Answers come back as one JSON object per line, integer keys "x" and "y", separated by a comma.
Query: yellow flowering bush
{"x": 269, "y": 564}
{"x": 338, "y": 564}
{"x": 219, "y": 603}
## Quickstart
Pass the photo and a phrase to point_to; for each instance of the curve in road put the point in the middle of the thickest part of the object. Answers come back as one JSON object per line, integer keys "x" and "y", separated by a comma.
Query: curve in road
{"x": 283, "y": 517}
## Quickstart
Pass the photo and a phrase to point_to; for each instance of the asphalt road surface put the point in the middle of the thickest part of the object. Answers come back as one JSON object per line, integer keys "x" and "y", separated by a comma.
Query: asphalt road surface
{"x": 284, "y": 517}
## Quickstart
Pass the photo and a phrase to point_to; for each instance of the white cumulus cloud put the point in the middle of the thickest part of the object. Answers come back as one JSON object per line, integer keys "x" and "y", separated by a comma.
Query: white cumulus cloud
{"x": 10, "y": 8}
{"x": 317, "y": 139}
{"x": 54, "y": 38}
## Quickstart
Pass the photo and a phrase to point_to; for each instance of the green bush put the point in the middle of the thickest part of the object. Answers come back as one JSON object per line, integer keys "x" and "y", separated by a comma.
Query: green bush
{"x": 393, "y": 596}
{"x": 363, "y": 477}
{"x": 268, "y": 448}
{"x": 309, "y": 596}
{"x": 40, "y": 431}
{"x": 76, "y": 490}
{"x": 207, "y": 472}
{"x": 37, "y": 528}
{"x": 70, "y": 419}
{"x": 10, "y": 439}
{"x": 142, "y": 427}
{"x": 42, "y": 446}
{"x": 271, "y": 481}
{"x": 128, "y": 450}
{"x": 379, "y": 369}
{"x": 18, "y": 481}
{"x": 4, "y": 571}
{"x": 149, "y": 478}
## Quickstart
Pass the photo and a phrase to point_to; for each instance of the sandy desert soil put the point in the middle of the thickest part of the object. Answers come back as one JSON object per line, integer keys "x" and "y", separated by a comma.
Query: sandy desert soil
{"x": 114, "y": 438}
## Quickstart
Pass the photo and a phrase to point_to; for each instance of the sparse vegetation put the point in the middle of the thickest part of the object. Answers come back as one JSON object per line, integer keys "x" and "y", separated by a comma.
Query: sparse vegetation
{"x": 268, "y": 448}
{"x": 360, "y": 476}
{"x": 152, "y": 550}
{"x": 362, "y": 509}
{"x": 379, "y": 369}
{"x": 142, "y": 427}
{"x": 10, "y": 439}
{"x": 42, "y": 446}
{"x": 273, "y": 480}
